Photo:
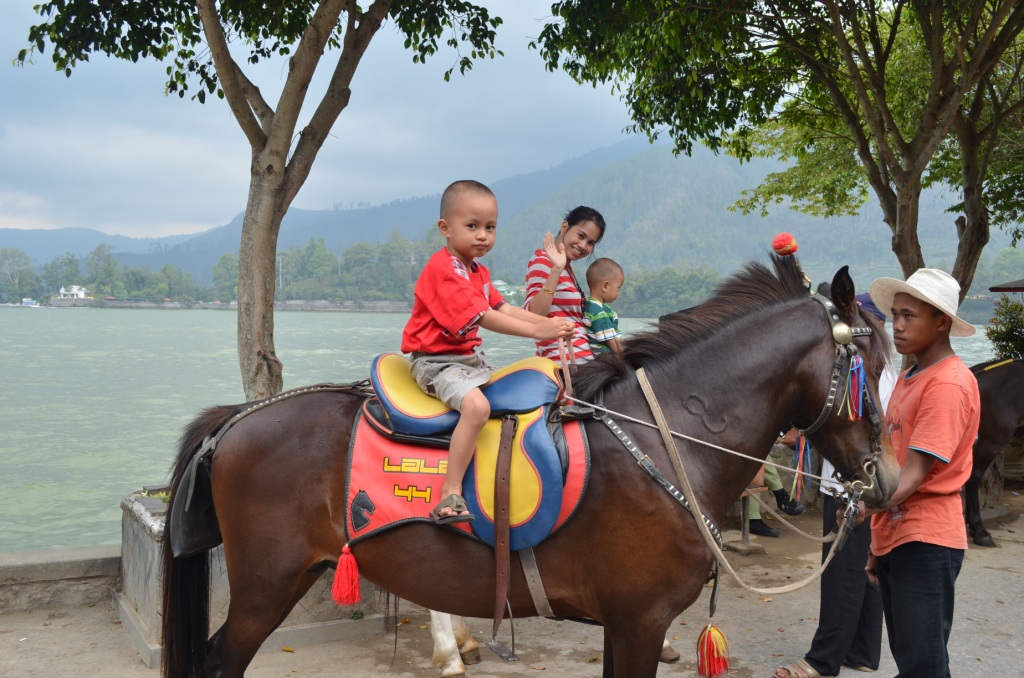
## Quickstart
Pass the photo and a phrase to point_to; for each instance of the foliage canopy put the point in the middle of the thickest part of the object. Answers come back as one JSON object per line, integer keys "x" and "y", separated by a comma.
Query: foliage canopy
{"x": 208, "y": 42}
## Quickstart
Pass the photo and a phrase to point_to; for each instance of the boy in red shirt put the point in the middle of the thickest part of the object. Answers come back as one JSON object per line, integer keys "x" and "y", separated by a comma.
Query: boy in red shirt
{"x": 453, "y": 296}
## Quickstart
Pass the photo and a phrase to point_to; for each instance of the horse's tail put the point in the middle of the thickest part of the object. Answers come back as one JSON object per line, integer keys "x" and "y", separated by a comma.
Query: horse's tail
{"x": 186, "y": 585}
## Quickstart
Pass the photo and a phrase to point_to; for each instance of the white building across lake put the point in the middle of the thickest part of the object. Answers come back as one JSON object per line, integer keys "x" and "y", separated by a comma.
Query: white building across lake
{"x": 74, "y": 292}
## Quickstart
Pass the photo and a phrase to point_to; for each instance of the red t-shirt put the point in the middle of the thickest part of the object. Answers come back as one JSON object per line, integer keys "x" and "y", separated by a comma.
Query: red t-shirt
{"x": 447, "y": 302}
{"x": 936, "y": 412}
{"x": 567, "y": 302}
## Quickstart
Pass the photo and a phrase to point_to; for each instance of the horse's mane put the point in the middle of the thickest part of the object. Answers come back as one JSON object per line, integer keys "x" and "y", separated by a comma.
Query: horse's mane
{"x": 754, "y": 288}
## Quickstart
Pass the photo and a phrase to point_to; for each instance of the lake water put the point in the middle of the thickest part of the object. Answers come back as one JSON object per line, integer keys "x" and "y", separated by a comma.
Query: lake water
{"x": 92, "y": 401}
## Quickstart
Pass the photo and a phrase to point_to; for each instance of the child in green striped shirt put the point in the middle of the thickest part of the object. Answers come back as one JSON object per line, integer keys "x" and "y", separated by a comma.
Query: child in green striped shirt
{"x": 604, "y": 278}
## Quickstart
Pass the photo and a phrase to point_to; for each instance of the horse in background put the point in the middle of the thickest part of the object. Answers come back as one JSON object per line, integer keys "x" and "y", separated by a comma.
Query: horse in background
{"x": 760, "y": 356}
{"x": 1001, "y": 385}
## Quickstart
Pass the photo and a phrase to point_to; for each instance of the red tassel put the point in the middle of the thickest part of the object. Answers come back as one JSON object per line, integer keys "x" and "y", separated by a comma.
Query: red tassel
{"x": 345, "y": 589}
{"x": 712, "y": 653}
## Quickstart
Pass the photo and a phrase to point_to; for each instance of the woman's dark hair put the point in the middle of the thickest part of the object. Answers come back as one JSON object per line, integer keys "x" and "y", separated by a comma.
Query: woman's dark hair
{"x": 581, "y": 214}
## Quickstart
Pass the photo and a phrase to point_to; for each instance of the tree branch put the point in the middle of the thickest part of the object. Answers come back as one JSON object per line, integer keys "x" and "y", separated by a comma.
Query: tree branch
{"x": 228, "y": 71}
{"x": 256, "y": 101}
{"x": 360, "y": 29}
{"x": 301, "y": 66}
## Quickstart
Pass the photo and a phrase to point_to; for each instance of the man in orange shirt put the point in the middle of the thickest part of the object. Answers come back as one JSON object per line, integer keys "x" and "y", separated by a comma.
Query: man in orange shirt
{"x": 917, "y": 545}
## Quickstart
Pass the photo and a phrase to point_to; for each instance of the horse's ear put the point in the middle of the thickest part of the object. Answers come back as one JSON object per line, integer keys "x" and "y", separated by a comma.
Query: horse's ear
{"x": 843, "y": 293}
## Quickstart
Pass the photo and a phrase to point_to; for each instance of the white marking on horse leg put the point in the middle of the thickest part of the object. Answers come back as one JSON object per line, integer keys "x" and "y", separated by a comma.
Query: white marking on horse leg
{"x": 669, "y": 655}
{"x": 468, "y": 647}
{"x": 446, "y": 649}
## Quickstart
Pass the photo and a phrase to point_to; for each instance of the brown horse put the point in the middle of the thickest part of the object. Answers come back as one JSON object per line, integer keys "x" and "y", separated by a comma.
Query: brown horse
{"x": 1001, "y": 385}
{"x": 752, "y": 361}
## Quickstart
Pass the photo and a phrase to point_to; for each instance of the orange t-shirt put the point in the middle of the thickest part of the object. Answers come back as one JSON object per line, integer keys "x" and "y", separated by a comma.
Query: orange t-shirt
{"x": 936, "y": 412}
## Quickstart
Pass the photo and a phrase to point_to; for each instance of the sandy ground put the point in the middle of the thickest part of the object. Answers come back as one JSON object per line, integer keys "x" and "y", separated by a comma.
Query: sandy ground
{"x": 764, "y": 632}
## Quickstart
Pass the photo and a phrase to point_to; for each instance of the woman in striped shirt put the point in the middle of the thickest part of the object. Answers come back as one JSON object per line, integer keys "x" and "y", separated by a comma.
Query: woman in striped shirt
{"x": 552, "y": 288}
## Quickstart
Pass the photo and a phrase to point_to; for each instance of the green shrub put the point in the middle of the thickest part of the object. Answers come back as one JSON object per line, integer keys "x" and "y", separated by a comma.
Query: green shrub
{"x": 1006, "y": 329}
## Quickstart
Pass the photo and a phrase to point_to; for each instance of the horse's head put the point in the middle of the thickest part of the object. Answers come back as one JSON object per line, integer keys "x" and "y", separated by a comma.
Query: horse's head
{"x": 849, "y": 428}
{"x": 762, "y": 355}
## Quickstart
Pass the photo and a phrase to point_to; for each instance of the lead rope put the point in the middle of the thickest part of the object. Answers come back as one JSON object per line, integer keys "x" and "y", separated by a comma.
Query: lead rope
{"x": 684, "y": 482}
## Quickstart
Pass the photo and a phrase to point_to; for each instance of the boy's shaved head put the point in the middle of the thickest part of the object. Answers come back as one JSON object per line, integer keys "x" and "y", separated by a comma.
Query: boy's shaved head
{"x": 602, "y": 269}
{"x": 458, "y": 188}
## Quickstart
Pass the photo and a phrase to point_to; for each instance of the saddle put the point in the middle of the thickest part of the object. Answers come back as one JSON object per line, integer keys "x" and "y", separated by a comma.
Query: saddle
{"x": 398, "y": 457}
{"x": 523, "y": 386}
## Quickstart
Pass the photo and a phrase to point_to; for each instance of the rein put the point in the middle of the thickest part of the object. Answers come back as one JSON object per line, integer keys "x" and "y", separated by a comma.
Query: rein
{"x": 670, "y": 445}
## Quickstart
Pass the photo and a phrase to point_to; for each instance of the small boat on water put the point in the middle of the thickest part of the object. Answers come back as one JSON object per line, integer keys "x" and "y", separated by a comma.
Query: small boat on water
{"x": 30, "y": 303}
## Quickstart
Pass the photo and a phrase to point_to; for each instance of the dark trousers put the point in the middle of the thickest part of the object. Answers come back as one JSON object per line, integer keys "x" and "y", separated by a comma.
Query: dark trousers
{"x": 918, "y": 582}
{"x": 850, "y": 614}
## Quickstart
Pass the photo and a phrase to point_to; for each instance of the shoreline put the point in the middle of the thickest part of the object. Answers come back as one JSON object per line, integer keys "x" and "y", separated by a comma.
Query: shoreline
{"x": 319, "y": 305}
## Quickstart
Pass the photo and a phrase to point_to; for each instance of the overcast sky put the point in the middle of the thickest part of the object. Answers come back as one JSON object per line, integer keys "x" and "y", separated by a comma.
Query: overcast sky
{"x": 105, "y": 149}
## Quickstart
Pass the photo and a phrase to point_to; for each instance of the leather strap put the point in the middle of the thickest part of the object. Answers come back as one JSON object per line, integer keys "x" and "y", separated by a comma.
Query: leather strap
{"x": 502, "y": 495}
{"x": 687, "y": 490}
{"x": 534, "y": 583}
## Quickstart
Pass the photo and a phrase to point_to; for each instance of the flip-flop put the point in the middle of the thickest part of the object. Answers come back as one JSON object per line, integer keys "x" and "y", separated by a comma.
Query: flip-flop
{"x": 456, "y": 503}
{"x": 798, "y": 669}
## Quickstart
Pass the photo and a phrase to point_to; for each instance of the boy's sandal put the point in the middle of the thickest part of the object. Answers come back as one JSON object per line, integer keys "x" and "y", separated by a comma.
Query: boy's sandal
{"x": 457, "y": 504}
{"x": 798, "y": 669}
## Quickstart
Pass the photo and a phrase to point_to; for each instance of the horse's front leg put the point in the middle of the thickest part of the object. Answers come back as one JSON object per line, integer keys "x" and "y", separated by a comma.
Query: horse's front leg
{"x": 446, "y": 647}
{"x": 632, "y": 651}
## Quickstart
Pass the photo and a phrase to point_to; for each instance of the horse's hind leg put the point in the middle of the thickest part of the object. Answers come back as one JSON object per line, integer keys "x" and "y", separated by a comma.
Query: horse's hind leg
{"x": 251, "y": 619}
{"x": 469, "y": 648}
{"x": 446, "y": 647}
{"x": 984, "y": 455}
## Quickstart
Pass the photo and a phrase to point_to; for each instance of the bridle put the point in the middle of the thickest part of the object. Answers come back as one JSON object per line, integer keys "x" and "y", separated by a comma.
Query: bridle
{"x": 843, "y": 368}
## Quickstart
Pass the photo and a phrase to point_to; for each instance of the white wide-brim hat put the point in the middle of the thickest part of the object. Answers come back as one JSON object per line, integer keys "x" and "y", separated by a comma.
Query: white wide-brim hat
{"x": 930, "y": 285}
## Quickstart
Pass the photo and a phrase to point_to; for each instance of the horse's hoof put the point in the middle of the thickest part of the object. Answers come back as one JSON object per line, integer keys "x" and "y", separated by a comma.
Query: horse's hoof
{"x": 471, "y": 657}
{"x": 668, "y": 655}
{"x": 984, "y": 540}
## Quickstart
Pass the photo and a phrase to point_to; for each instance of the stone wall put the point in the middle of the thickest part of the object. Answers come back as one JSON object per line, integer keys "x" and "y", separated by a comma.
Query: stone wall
{"x": 315, "y": 618}
{"x": 34, "y": 580}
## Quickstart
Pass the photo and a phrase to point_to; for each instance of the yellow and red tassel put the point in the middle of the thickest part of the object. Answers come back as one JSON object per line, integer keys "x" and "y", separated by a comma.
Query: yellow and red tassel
{"x": 345, "y": 589}
{"x": 712, "y": 653}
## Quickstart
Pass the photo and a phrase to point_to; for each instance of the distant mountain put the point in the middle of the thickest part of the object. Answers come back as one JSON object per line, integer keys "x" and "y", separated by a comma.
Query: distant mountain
{"x": 45, "y": 245}
{"x": 661, "y": 210}
{"x": 664, "y": 210}
{"x": 340, "y": 229}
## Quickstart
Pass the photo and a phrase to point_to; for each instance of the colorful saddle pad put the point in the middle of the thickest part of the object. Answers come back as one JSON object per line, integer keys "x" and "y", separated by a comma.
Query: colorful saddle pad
{"x": 391, "y": 483}
{"x": 520, "y": 387}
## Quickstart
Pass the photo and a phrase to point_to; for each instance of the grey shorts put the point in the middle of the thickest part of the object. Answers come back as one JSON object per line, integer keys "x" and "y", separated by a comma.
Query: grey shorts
{"x": 450, "y": 377}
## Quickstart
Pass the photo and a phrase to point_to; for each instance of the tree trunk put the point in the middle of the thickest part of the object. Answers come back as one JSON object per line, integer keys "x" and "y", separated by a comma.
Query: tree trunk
{"x": 905, "y": 243}
{"x": 973, "y": 228}
{"x": 261, "y": 369}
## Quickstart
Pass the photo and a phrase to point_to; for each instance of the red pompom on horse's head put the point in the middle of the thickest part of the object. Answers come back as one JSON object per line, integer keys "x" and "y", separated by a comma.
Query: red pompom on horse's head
{"x": 784, "y": 244}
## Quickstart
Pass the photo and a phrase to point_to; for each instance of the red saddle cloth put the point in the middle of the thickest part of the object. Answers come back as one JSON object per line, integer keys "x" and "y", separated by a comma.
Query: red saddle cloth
{"x": 391, "y": 483}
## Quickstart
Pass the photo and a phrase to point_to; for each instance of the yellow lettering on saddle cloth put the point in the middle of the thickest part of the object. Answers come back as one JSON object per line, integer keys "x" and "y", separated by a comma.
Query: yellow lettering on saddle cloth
{"x": 415, "y": 465}
{"x": 412, "y": 492}
{"x": 525, "y": 481}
